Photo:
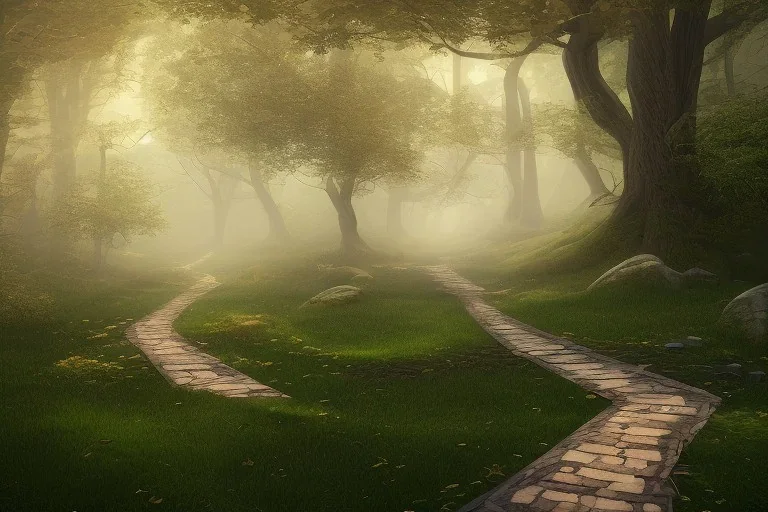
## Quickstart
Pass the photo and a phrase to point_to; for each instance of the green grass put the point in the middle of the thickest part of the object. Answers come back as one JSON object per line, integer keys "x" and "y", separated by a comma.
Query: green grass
{"x": 399, "y": 402}
{"x": 727, "y": 458}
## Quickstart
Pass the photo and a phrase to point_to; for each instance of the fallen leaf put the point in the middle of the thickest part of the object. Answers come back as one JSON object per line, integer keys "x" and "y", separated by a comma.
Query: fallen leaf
{"x": 155, "y": 500}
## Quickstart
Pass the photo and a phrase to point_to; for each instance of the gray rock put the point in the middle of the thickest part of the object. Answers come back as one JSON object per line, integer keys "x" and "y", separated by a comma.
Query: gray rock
{"x": 693, "y": 341}
{"x": 748, "y": 314}
{"x": 755, "y": 377}
{"x": 699, "y": 275}
{"x": 674, "y": 345}
{"x": 336, "y": 296}
{"x": 353, "y": 273}
{"x": 728, "y": 369}
{"x": 644, "y": 269}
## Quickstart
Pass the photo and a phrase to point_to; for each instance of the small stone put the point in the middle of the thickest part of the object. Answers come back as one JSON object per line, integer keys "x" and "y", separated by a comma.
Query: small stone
{"x": 606, "y": 476}
{"x": 577, "y": 456}
{"x": 561, "y": 496}
{"x": 674, "y": 346}
{"x": 754, "y": 377}
{"x": 728, "y": 369}
{"x": 598, "y": 448}
{"x": 652, "y": 455}
{"x": 612, "y": 505}
{"x": 527, "y": 495}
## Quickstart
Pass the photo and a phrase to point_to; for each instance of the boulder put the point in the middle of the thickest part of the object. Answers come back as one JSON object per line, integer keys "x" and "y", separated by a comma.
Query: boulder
{"x": 641, "y": 269}
{"x": 353, "y": 273}
{"x": 748, "y": 314}
{"x": 336, "y": 296}
{"x": 699, "y": 275}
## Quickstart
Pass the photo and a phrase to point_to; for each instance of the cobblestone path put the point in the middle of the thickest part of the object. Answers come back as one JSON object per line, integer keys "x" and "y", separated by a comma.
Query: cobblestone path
{"x": 183, "y": 364}
{"x": 619, "y": 460}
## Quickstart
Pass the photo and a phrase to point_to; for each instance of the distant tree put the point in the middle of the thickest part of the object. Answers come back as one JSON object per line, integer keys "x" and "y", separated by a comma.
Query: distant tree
{"x": 115, "y": 199}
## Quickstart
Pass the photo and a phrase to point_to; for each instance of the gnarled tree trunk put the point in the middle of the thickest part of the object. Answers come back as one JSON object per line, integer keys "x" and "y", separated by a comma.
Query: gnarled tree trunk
{"x": 341, "y": 197}
{"x": 277, "y": 229}
{"x": 513, "y": 122}
{"x": 589, "y": 172}
{"x": 531, "y": 215}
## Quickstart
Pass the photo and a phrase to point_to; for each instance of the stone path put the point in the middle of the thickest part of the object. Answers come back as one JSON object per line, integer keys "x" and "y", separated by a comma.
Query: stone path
{"x": 183, "y": 364}
{"x": 619, "y": 460}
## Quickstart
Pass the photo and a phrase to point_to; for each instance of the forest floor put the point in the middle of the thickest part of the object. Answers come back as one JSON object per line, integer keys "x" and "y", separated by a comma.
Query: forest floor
{"x": 398, "y": 402}
{"x": 724, "y": 467}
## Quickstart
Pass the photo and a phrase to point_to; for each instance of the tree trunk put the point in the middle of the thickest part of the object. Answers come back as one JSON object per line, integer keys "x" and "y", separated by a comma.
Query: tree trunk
{"x": 69, "y": 96}
{"x": 456, "y": 73}
{"x": 395, "y": 200}
{"x": 513, "y": 121}
{"x": 277, "y": 229}
{"x": 580, "y": 61}
{"x": 341, "y": 197}
{"x": 662, "y": 187}
{"x": 531, "y": 215}
{"x": 590, "y": 172}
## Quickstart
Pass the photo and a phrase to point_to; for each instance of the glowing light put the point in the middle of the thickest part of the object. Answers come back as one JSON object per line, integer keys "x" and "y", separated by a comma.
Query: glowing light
{"x": 477, "y": 76}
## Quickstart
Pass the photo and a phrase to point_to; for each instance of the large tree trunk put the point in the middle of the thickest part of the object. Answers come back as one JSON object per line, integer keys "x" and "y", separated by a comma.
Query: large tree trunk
{"x": 351, "y": 243}
{"x": 277, "y": 229}
{"x": 69, "y": 92}
{"x": 580, "y": 61}
{"x": 513, "y": 121}
{"x": 662, "y": 184}
{"x": 663, "y": 194}
{"x": 531, "y": 215}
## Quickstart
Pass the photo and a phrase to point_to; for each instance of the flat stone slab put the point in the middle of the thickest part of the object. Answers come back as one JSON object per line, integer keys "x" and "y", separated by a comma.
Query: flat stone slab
{"x": 619, "y": 460}
{"x": 183, "y": 364}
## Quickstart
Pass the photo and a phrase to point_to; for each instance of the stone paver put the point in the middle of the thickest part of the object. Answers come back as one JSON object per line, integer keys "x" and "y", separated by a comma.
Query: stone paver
{"x": 619, "y": 460}
{"x": 183, "y": 364}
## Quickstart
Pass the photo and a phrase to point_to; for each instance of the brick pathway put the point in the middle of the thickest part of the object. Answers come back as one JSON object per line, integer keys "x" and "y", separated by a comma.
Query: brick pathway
{"x": 183, "y": 364}
{"x": 619, "y": 460}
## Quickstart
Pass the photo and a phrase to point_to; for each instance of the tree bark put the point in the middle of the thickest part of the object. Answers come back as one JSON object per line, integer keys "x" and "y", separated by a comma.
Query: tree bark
{"x": 531, "y": 215}
{"x": 277, "y": 228}
{"x": 589, "y": 172}
{"x": 662, "y": 183}
{"x": 513, "y": 121}
{"x": 580, "y": 61}
{"x": 352, "y": 243}
{"x": 69, "y": 96}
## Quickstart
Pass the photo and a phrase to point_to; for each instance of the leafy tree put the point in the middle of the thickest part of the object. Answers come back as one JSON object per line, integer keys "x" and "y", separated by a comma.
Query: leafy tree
{"x": 116, "y": 201}
{"x": 664, "y": 195}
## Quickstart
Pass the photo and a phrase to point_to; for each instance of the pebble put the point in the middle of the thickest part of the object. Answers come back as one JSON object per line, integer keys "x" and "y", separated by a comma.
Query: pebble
{"x": 755, "y": 376}
{"x": 673, "y": 346}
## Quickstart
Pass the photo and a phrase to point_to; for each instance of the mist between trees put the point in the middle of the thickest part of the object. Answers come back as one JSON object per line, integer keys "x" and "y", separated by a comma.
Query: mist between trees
{"x": 172, "y": 128}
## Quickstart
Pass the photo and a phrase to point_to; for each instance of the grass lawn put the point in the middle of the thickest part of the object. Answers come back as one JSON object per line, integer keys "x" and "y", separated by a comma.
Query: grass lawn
{"x": 726, "y": 462}
{"x": 399, "y": 402}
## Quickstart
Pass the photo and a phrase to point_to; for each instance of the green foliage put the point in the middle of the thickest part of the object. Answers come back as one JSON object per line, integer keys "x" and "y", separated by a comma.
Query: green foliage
{"x": 121, "y": 202}
{"x": 734, "y": 160}
{"x": 22, "y": 298}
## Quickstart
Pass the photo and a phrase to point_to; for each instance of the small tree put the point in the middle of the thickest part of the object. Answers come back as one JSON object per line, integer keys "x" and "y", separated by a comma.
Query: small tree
{"x": 117, "y": 202}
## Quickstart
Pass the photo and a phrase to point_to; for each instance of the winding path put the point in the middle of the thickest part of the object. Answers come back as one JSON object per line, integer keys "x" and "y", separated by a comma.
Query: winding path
{"x": 620, "y": 459}
{"x": 183, "y": 364}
